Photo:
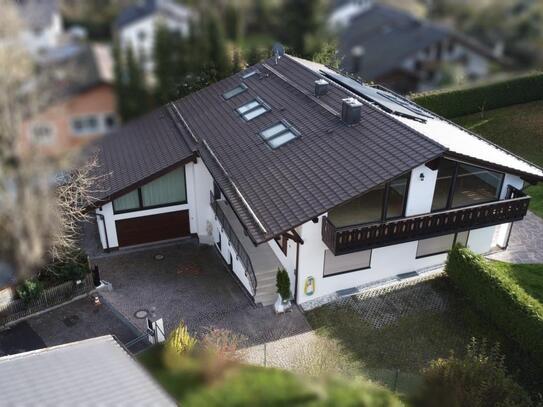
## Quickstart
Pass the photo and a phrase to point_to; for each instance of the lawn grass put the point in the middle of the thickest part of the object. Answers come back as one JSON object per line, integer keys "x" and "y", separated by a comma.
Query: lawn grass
{"x": 517, "y": 128}
{"x": 527, "y": 276}
{"x": 414, "y": 340}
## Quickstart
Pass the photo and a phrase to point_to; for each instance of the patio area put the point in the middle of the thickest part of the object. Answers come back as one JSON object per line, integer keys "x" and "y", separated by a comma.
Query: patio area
{"x": 185, "y": 281}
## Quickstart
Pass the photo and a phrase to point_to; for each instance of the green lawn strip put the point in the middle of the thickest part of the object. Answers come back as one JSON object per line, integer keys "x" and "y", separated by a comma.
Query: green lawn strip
{"x": 519, "y": 129}
{"x": 528, "y": 276}
{"x": 412, "y": 342}
{"x": 246, "y": 385}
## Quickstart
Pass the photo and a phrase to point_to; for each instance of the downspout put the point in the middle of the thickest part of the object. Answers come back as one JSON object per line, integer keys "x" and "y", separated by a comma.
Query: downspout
{"x": 103, "y": 218}
{"x": 296, "y": 273}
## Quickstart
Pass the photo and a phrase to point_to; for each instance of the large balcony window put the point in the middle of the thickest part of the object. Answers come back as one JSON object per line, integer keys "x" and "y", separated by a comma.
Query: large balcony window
{"x": 379, "y": 204}
{"x": 460, "y": 184}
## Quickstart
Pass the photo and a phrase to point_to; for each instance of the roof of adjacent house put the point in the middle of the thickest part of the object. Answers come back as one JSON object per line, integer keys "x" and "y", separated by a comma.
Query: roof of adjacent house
{"x": 389, "y": 36}
{"x": 96, "y": 371}
{"x": 275, "y": 190}
{"x": 145, "y": 8}
{"x": 37, "y": 14}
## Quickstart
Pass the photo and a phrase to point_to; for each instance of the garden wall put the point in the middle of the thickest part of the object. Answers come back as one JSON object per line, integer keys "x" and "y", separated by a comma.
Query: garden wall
{"x": 499, "y": 298}
{"x": 461, "y": 102}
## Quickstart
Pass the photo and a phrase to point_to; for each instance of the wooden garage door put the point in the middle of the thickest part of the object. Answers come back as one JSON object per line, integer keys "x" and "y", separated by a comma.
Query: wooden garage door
{"x": 153, "y": 228}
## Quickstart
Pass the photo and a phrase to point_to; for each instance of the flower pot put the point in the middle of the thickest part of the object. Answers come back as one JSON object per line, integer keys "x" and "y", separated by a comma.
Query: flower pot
{"x": 281, "y": 306}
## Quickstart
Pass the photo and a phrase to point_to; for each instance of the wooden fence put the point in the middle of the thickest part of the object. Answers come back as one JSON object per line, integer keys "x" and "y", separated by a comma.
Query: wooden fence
{"x": 50, "y": 297}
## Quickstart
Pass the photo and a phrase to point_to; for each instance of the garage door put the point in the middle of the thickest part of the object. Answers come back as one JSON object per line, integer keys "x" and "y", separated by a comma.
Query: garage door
{"x": 153, "y": 228}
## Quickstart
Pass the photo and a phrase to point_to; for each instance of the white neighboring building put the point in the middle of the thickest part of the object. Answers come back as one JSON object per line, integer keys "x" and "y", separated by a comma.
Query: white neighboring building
{"x": 293, "y": 165}
{"x": 42, "y": 24}
{"x": 136, "y": 25}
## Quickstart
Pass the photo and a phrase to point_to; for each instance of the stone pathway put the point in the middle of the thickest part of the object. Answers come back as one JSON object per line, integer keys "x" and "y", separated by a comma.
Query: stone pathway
{"x": 526, "y": 242}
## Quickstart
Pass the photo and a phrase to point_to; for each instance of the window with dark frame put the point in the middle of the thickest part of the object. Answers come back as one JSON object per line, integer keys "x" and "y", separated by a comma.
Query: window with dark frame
{"x": 253, "y": 109}
{"x": 383, "y": 203}
{"x": 279, "y": 134}
{"x": 168, "y": 190}
{"x": 235, "y": 91}
{"x": 440, "y": 244}
{"x": 346, "y": 263}
{"x": 459, "y": 184}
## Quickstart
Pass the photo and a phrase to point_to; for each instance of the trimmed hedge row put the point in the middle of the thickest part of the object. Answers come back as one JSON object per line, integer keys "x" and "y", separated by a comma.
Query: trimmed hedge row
{"x": 461, "y": 102}
{"x": 499, "y": 298}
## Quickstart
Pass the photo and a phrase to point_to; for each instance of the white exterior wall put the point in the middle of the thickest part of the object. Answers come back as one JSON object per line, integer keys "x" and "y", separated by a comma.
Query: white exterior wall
{"x": 130, "y": 35}
{"x": 389, "y": 261}
{"x": 49, "y": 37}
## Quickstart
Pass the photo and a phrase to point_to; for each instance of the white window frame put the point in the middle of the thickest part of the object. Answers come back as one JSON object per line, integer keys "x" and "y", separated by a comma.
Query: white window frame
{"x": 40, "y": 142}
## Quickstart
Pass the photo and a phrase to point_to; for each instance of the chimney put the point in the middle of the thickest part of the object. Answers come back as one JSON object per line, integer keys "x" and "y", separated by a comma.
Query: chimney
{"x": 351, "y": 111}
{"x": 321, "y": 87}
{"x": 357, "y": 54}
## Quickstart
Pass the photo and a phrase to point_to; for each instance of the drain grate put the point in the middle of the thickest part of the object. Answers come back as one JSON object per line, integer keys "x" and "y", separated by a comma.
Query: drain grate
{"x": 141, "y": 314}
{"x": 158, "y": 256}
{"x": 71, "y": 320}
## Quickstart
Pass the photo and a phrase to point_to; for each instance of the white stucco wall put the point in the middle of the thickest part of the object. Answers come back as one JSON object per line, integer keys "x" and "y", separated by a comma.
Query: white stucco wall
{"x": 48, "y": 37}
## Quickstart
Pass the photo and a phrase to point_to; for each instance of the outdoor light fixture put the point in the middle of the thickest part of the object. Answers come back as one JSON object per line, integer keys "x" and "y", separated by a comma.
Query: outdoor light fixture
{"x": 421, "y": 176}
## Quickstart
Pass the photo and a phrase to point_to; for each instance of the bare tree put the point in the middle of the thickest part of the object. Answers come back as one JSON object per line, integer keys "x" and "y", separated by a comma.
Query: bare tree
{"x": 42, "y": 201}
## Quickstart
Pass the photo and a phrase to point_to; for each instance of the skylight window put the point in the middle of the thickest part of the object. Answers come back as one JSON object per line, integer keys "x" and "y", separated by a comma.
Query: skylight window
{"x": 248, "y": 74}
{"x": 279, "y": 134}
{"x": 234, "y": 92}
{"x": 253, "y": 109}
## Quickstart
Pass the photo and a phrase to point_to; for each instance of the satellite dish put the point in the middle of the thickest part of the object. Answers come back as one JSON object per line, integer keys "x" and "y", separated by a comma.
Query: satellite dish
{"x": 278, "y": 51}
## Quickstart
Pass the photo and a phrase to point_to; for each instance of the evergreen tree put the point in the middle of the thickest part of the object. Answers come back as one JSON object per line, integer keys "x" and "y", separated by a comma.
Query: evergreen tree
{"x": 254, "y": 54}
{"x": 232, "y": 19}
{"x": 119, "y": 80}
{"x": 136, "y": 97}
{"x": 164, "y": 65}
{"x": 302, "y": 19}
{"x": 219, "y": 64}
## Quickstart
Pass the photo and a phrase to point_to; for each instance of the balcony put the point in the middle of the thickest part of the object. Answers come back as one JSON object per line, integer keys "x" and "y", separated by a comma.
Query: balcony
{"x": 348, "y": 239}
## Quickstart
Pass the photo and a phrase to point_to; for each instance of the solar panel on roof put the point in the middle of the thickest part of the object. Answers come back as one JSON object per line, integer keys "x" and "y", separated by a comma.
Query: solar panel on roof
{"x": 386, "y": 100}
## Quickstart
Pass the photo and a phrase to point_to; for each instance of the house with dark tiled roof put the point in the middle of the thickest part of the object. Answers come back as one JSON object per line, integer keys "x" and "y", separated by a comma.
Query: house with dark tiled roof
{"x": 136, "y": 24}
{"x": 291, "y": 164}
{"x": 393, "y": 48}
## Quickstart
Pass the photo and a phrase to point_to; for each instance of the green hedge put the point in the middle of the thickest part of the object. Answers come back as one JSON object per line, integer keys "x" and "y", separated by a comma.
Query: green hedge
{"x": 499, "y": 298}
{"x": 461, "y": 102}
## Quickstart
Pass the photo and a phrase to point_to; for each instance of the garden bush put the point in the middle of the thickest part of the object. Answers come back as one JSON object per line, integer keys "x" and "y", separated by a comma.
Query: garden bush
{"x": 461, "y": 102}
{"x": 499, "y": 298}
{"x": 30, "y": 290}
{"x": 477, "y": 380}
{"x": 178, "y": 344}
{"x": 69, "y": 270}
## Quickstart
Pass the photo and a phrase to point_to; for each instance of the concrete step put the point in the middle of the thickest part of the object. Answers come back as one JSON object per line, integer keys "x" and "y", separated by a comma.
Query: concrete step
{"x": 265, "y": 300}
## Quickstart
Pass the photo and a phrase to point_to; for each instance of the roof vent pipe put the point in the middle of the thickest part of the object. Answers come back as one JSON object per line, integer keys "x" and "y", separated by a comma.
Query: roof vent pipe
{"x": 321, "y": 87}
{"x": 351, "y": 111}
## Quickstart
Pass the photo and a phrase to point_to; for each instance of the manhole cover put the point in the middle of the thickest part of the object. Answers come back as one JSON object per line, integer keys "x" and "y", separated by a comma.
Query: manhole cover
{"x": 71, "y": 320}
{"x": 159, "y": 257}
{"x": 141, "y": 313}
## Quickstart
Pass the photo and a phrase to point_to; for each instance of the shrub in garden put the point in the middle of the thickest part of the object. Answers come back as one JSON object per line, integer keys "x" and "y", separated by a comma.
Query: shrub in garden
{"x": 475, "y": 99}
{"x": 477, "y": 380}
{"x": 283, "y": 284}
{"x": 218, "y": 350}
{"x": 30, "y": 290}
{"x": 179, "y": 343}
{"x": 499, "y": 298}
{"x": 70, "y": 270}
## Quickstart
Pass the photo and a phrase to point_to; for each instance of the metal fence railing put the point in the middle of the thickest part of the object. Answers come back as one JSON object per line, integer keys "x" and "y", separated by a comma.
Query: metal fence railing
{"x": 50, "y": 297}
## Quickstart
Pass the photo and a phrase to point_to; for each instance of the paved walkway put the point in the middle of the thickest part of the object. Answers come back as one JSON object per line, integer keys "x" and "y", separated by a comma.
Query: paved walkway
{"x": 72, "y": 322}
{"x": 526, "y": 242}
{"x": 191, "y": 284}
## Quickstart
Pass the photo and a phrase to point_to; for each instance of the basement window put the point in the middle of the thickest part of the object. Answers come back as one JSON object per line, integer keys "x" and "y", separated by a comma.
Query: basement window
{"x": 253, "y": 109}
{"x": 235, "y": 91}
{"x": 279, "y": 134}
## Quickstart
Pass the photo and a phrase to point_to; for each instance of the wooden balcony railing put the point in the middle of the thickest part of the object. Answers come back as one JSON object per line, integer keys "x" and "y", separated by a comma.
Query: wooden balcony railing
{"x": 355, "y": 238}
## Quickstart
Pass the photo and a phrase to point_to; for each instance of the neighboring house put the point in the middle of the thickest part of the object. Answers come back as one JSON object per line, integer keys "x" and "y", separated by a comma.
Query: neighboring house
{"x": 92, "y": 372}
{"x": 7, "y": 282}
{"x": 135, "y": 26}
{"x": 395, "y": 49}
{"x": 42, "y": 22}
{"x": 83, "y": 103}
{"x": 293, "y": 165}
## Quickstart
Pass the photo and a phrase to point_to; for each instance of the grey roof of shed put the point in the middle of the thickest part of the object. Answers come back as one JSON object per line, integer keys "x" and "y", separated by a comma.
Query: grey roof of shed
{"x": 273, "y": 191}
{"x": 389, "y": 36}
{"x": 96, "y": 371}
{"x": 139, "y": 151}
